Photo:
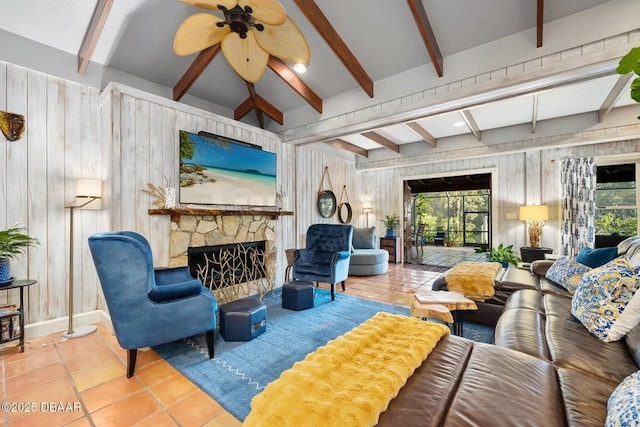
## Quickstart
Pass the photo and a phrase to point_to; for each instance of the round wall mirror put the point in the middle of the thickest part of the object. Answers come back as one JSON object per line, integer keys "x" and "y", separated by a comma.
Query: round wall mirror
{"x": 345, "y": 213}
{"x": 327, "y": 204}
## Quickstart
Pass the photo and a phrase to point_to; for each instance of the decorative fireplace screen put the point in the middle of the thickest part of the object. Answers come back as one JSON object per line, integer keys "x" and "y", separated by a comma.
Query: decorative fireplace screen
{"x": 226, "y": 268}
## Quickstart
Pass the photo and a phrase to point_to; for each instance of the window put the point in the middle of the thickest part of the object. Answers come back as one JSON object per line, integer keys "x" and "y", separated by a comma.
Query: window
{"x": 616, "y": 200}
{"x": 462, "y": 215}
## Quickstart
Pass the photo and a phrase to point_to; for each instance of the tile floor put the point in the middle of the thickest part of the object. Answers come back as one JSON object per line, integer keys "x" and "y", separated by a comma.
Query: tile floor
{"x": 444, "y": 256}
{"x": 82, "y": 382}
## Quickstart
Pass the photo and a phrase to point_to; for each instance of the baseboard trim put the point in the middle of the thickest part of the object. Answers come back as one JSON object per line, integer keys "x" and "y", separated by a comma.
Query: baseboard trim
{"x": 61, "y": 324}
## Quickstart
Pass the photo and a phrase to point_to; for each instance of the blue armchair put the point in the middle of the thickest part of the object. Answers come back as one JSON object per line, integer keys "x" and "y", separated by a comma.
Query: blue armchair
{"x": 149, "y": 307}
{"x": 326, "y": 256}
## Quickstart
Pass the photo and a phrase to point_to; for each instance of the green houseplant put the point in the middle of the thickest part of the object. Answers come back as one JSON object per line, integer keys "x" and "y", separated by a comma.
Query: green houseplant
{"x": 630, "y": 63}
{"x": 390, "y": 223}
{"x": 13, "y": 242}
{"x": 502, "y": 254}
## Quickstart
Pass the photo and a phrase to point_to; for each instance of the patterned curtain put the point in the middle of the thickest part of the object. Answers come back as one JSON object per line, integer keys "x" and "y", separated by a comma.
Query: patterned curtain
{"x": 578, "y": 180}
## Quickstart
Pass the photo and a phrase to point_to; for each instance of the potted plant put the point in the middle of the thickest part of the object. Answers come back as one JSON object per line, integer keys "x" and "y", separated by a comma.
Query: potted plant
{"x": 390, "y": 223}
{"x": 502, "y": 254}
{"x": 13, "y": 242}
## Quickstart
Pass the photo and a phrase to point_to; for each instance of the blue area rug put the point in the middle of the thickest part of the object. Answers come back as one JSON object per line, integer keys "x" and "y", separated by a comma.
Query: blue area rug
{"x": 240, "y": 370}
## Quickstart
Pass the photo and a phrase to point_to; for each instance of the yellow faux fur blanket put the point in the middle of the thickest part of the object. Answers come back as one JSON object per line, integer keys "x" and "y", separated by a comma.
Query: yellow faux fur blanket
{"x": 474, "y": 280}
{"x": 350, "y": 380}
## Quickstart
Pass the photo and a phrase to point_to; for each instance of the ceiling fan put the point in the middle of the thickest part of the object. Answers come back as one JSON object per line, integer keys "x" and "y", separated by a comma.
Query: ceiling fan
{"x": 249, "y": 32}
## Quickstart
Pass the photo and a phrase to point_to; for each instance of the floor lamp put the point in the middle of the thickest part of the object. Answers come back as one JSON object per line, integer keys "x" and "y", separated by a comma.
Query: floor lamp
{"x": 367, "y": 211}
{"x": 88, "y": 196}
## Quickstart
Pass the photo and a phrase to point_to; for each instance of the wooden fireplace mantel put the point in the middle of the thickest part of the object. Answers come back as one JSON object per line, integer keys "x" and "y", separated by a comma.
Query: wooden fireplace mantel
{"x": 176, "y": 213}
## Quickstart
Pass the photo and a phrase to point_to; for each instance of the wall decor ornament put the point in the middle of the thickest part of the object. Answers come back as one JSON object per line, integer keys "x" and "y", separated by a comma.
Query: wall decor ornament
{"x": 326, "y": 198}
{"x": 11, "y": 125}
{"x": 345, "y": 213}
{"x": 280, "y": 198}
{"x": 169, "y": 197}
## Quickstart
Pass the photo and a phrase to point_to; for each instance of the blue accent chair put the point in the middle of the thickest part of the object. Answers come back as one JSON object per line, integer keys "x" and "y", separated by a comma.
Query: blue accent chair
{"x": 326, "y": 256}
{"x": 149, "y": 307}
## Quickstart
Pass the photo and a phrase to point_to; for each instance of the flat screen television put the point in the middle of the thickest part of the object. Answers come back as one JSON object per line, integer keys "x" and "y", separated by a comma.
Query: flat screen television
{"x": 215, "y": 170}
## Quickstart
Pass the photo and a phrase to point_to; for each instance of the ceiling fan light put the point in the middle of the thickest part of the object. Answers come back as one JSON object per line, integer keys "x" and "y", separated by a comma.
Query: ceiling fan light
{"x": 300, "y": 68}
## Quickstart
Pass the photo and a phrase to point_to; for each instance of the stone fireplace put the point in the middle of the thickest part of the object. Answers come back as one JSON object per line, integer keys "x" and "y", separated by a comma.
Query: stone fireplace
{"x": 197, "y": 231}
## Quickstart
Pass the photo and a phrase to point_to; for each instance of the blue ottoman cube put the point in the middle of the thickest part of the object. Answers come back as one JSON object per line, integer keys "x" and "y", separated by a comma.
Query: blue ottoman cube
{"x": 297, "y": 295}
{"x": 243, "y": 319}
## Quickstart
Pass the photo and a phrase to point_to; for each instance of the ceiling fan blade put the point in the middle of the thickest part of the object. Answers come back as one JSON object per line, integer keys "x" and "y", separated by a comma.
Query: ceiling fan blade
{"x": 211, "y": 4}
{"x": 198, "y": 32}
{"x": 267, "y": 11}
{"x": 245, "y": 56}
{"x": 284, "y": 41}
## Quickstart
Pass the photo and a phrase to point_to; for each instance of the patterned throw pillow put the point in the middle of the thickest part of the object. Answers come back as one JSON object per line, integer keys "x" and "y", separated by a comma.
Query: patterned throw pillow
{"x": 566, "y": 272}
{"x": 606, "y": 301}
{"x": 627, "y": 243}
{"x": 623, "y": 408}
{"x": 633, "y": 256}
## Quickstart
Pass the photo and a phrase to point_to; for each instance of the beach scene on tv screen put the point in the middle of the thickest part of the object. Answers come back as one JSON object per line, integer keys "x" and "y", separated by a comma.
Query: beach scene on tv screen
{"x": 218, "y": 171}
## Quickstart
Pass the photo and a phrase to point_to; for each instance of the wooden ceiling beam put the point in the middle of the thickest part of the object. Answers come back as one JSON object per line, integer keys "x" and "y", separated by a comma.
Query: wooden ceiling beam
{"x": 194, "y": 71}
{"x": 333, "y": 39}
{"x": 292, "y": 79}
{"x": 91, "y": 37}
{"x": 422, "y": 133}
{"x": 539, "y": 23}
{"x": 261, "y": 105}
{"x": 376, "y": 137}
{"x": 429, "y": 38}
{"x": 271, "y": 111}
{"x": 471, "y": 123}
{"x": 344, "y": 145}
{"x": 243, "y": 109}
{"x": 253, "y": 96}
{"x": 613, "y": 96}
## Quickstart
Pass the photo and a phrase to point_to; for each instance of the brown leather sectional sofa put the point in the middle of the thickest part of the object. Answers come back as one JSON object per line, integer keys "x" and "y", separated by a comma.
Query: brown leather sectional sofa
{"x": 545, "y": 369}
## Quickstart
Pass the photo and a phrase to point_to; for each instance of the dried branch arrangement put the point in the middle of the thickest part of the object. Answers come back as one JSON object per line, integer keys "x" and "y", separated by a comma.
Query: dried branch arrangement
{"x": 158, "y": 193}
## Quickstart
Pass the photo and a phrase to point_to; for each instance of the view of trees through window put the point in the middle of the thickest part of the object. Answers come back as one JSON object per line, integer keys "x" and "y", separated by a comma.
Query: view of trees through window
{"x": 617, "y": 209}
{"x": 462, "y": 215}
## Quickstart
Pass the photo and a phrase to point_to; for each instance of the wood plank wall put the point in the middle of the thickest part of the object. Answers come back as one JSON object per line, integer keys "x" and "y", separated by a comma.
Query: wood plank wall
{"x": 310, "y": 166}
{"x": 129, "y": 138}
{"x": 37, "y": 179}
{"x": 531, "y": 176}
{"x": 145, "y": 143}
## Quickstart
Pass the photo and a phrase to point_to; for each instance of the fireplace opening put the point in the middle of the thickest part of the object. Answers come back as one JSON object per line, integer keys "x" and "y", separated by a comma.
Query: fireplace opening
{"x": 220, "y": 266}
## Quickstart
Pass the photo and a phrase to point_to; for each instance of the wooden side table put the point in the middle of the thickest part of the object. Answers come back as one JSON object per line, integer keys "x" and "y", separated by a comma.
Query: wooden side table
{"x": 393, "y": 246}
{"x": 291, "y": 257}
{"x": 529, "y": 254}
{"x": 17, "y": 284}
{"x": 431, "y": 304}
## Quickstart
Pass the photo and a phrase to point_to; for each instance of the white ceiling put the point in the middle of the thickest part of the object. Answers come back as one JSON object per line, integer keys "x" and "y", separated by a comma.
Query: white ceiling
{"x": 138, "y": 38}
